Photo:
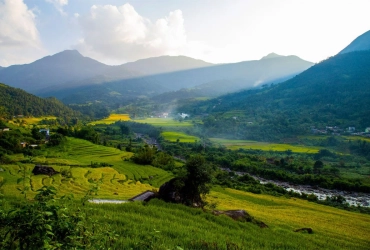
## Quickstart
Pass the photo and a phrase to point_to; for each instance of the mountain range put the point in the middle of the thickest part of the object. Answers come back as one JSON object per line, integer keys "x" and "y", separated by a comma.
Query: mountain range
{"x": 73, "y": 78}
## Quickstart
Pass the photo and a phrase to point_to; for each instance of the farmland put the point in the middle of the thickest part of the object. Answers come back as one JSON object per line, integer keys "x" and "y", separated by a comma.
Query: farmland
{"x": 112, "y": 119}
{"x": 264, "y": 146}
{"x": 182, "y": 137}
{"x": 165, "y": 123}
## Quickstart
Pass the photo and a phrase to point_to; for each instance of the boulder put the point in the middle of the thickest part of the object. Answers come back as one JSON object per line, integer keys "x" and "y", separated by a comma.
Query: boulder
{"x": 241, "y": 215}
{"x": 45, "y": 170}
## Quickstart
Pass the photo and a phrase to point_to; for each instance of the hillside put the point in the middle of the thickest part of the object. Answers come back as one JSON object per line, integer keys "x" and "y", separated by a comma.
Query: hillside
{"x": 334, "y": 92}
{"x": 18, "y": 102}
{"x": 360, "y": 43}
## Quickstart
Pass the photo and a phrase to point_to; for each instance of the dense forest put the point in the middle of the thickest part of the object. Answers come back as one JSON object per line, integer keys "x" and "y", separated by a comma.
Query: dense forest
{"x": 16, "y": 102}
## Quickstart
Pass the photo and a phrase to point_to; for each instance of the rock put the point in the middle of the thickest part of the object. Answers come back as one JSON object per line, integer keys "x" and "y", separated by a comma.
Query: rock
{"x": 241, "y": 215}
{"x": 304, "y": 229}
{"x": 45, "y": 170}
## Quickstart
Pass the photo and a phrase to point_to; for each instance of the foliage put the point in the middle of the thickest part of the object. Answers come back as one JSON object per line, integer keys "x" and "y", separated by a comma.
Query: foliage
{"x": 18, "y": 102}
{"x": 47, "y": 224}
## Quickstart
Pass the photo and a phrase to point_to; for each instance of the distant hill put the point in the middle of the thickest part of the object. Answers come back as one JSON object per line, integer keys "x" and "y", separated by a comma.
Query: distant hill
{"x": 18, "y": 102}
{"x": 244, "y": 74}
{"x": 335, "y": 92}
{"x": 360, "y": 43}
{"x": 58, "y": 69}
{"x": 164, "y": 64}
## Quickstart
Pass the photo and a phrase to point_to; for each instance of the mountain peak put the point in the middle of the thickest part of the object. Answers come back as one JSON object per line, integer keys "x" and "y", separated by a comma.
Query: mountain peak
{"x": 271, "y": 55}
{"x": 362, "y": 42}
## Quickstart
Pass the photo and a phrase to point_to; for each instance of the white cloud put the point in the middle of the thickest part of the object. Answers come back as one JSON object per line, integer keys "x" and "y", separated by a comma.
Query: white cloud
{"x": 19, "y": 37}
{"x": 116, "y": 34}
{"x": 59, "y": 4}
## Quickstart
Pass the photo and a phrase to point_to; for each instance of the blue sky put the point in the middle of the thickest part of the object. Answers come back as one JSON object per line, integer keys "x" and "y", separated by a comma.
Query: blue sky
{"x": 218, "y": 31}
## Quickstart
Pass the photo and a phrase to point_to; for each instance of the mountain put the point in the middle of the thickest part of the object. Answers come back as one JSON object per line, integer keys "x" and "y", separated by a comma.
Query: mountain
{"x": 244, "y": 74}
{"x": 58, "y": 69}
{"x": 335, "y": 92}
{"x": 164, "y": 64}
{"x": 19, "y": 102}
{"x": 360, "y": 43}
{"x": 74, "y": 78}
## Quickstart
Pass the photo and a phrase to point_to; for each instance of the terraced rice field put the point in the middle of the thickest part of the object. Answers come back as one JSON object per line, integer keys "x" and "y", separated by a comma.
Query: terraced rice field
{"x": 112, "y": 119}
{"x": 265, "y": 146}
{"x": 122, "y": 180}
{"x": 182, "y": 137}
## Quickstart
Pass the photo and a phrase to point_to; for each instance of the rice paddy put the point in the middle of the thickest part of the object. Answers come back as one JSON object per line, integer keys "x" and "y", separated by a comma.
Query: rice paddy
{"x": 112, "y": 119}
{"x": 121, "y": 180}
{"x": 165, "y": 123}
{"x": 265, "y": 146}
{"x": 181, "y": 137}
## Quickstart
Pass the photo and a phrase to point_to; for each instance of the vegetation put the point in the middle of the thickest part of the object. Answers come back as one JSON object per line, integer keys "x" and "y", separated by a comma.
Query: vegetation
{"x": 278, "y": 112}
{"x": 18, "y": 102}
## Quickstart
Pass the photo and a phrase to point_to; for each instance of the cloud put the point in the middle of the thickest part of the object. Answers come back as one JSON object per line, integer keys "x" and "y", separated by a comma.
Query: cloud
{"x": 19, "y": 37}
{"x": 116, "y": 34}
{"x": 58, "y": 4}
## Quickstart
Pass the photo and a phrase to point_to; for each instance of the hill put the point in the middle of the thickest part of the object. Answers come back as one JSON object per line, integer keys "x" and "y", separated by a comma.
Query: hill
{"x": 244, "y": 74}
{"x": 18, "y": 102}
{"x": 360, "y": 43}
{"x": 164, "y": 64}
{"x": 334, "y": 92}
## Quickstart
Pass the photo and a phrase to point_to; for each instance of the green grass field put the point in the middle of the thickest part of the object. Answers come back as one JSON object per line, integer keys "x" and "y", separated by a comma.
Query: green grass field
{"x": 160, "y": 225}
{"x": 182, "y": 137}
{"x": 265, "y": 146}
{"x": 112, "y": 119}
{"x": 165, "y": 123}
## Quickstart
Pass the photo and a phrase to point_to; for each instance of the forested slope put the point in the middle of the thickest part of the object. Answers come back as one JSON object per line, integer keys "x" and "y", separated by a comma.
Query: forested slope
{"x": 19, "y": 102}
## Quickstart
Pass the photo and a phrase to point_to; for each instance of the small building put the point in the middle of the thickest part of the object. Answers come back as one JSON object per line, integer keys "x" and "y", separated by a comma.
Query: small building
{"x": 145, "y": 196}
{"x": 6, "y": 129}
{"x": 23, "y": 144}
{"x": 367, "y": 130}
{"x": 351, "y": 129}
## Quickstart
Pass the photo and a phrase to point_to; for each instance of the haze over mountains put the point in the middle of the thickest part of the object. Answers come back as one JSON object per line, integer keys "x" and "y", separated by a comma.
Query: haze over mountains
{"x": 68, "y": 75}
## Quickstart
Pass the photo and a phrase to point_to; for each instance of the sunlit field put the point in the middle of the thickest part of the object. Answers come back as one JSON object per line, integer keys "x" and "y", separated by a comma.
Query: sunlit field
{"x": 164, "y": 122}
{"x": 36, "y": 120}
{"x": 112, "y": 119}
{"x": 182, "y": 137}
{"x": 265, "y": 146}
{"x": 121, "y": 180}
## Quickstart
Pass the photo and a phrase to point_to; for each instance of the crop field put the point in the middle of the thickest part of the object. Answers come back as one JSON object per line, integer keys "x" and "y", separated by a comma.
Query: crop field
{"x": 165, "y": 123}
{"x": 122, "y": 180}
{"x": 265, "y": 146}
{"x": 182, "y": 137}
{"x": 160, "y": 225}
{"x": 36, "y": 120}
{"x": 112, "y": 119}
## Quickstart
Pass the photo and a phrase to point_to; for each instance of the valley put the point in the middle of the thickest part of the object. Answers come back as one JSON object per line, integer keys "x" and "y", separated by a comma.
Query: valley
{"x": 260, "y": 154}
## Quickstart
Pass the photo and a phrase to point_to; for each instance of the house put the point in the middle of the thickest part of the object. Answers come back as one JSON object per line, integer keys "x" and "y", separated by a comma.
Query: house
{"x": 367, "y": 130}
{"x": 146, "y": 196}
{"x": 6, "y": 129}
{"x": 351, "y": 129}
{"x": 23, "y": 144}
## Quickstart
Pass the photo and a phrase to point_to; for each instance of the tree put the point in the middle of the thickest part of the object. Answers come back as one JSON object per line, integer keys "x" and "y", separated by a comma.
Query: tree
{"x": 318, "y": 166}
{"x": 197, "y": 180}
{"x": 144, "y": 155}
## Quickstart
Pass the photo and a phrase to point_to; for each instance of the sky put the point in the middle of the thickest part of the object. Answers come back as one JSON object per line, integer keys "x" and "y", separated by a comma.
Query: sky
{"x": 217, "y": 31}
